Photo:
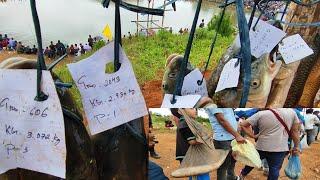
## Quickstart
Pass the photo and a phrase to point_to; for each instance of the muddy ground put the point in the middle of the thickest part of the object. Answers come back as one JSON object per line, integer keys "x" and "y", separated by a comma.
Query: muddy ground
{"x": 310, "y": 159}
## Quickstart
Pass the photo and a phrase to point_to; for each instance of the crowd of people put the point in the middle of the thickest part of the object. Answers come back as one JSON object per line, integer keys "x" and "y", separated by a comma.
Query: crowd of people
{"x": 277, "y": 132}
{"x": 52, "y": 51}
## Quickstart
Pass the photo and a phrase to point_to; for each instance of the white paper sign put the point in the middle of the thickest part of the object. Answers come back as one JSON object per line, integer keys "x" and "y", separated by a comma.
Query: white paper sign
{"x": 294, "y": 48}
{"x": 229, "y": 76}
{"x": 109, "y": 100}
{"x": 32, "y": 134}
{"x": 187, "y": 101}
{"x": 264, "y": 38}
{"x": 190, "y": 84}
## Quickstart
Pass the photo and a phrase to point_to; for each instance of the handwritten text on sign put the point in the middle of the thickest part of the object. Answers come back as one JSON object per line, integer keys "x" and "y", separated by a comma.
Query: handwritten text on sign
{"x": 109, "y": 100}
{"x": 229, "y": 76}
{"x": 294, "y": 48}
{"x": 264, "y": 38}
{"x": 31, "y": 133}
{"x": 191, "y": 86}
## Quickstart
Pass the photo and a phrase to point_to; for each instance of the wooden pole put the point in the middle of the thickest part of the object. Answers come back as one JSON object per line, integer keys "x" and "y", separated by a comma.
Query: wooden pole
{"x": 164, "y": 8}
{"x": 137, "y": 19}
{"x": 148, "y": 18}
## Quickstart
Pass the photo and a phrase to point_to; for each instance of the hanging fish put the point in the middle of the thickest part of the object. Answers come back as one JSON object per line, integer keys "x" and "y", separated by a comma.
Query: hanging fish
{"x": 172, "y": 70}
{"x": 263, "y": 71}
{"x": 80, "y": 161}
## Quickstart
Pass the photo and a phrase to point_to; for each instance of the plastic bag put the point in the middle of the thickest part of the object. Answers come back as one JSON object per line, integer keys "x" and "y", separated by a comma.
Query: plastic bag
{"x": 304, "y": 143}
{"x": 246, "y": 154}
{"x": 293, "y": 168}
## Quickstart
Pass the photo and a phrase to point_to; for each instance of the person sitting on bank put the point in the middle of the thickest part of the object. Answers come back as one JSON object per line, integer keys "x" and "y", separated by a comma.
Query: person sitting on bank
{"x": 34, "y": 50}
{"x": 201, "y": 24}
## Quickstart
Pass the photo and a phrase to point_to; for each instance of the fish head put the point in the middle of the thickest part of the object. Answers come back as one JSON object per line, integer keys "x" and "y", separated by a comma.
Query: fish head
{"x": 263, "y": 71}
{"x": 172, "y": 72}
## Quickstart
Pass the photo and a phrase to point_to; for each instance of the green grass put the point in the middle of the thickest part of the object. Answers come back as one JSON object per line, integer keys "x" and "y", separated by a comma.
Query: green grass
{"x": 148, "y": 54}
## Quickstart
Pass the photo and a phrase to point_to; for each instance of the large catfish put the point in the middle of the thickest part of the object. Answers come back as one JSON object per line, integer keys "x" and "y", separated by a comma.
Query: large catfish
{"x": 80, "y": 160}
{"x": 263, "y": 70}
{"x": 172, "y": 70}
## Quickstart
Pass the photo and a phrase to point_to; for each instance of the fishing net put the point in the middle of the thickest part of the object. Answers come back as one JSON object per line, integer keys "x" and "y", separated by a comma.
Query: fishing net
{"x": 200, "y": 158}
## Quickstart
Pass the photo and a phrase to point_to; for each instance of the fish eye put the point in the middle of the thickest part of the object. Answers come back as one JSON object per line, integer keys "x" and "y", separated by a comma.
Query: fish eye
{"x": 255, "y": 83}
{"x": 172, "y": 75}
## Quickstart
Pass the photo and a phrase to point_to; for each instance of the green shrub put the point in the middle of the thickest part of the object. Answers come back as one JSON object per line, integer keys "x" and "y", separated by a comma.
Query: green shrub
{"x": 226, "y": 28}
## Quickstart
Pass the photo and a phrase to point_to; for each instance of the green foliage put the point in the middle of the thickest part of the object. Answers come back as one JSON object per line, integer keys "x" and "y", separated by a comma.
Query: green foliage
{"x": 98, "y": 45}
{"x": 226, "y": 28}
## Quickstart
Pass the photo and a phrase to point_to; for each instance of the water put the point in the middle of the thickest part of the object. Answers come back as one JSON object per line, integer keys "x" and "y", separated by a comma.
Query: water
{"x": 72, "y": 21}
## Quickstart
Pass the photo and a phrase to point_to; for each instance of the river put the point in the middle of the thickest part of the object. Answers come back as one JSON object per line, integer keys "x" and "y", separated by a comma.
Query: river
{"x": 71, "y": 21}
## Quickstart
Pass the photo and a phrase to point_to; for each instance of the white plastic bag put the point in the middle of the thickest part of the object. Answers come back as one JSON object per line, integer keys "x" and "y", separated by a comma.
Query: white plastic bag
{"x": 246, "y": 154}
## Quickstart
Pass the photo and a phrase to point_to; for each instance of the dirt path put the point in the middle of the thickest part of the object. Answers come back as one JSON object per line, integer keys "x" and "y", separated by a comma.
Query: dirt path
{"x": 310, "y": 159}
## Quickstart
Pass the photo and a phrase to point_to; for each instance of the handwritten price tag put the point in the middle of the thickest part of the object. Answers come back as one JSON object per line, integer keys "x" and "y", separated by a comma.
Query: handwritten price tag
{"x": 294, "y": 48}
{"x": 109, "y": 100}
{"x": 190, "y": 85}
{"x": 229, "y": 76}
{"x": 264, "y": 38}
{"x": 187, "y": 101}
{"x": 32, "y": 134}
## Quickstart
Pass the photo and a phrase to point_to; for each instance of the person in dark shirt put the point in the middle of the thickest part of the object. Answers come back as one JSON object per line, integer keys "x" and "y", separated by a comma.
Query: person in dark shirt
{"x": 90, "y": 41}
{"x": 185, "y": 137}
{"x": 60, "y": 48}
{"x": 153, "y": 141}
{"x": 34, "y": 50}
{"x": 201, "y": 24}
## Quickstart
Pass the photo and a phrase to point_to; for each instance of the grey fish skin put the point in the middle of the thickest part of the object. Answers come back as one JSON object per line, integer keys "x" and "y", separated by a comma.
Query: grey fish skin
{"x": 80, "y": 160}
{"x": 263, "y": 71}
{"x": 171, "y": 73}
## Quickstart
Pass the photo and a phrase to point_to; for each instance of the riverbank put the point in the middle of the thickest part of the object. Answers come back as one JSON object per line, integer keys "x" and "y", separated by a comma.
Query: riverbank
{"x": 148, "y": 56}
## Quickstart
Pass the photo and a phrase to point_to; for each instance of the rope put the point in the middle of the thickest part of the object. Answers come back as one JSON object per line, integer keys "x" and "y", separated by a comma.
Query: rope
{"x": 120, "y": 130}
{"x": 184, "y": 63}
{"x": 265, "y": 7}
{"x": 214, "y": 40}
{"x": 41, "y": 63}
{"x": 245, "y": 52}
{"x": 117, "y": 31}
{"x": 254, "y": 8}
{"x": 285, "y": 9}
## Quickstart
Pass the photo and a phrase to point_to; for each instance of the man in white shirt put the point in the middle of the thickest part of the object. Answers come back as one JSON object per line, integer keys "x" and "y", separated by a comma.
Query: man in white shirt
{"x": 310, "y": 123}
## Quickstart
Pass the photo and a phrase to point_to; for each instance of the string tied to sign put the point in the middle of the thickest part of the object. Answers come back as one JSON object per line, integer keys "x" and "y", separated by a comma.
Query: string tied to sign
{"x": 183, "y": 66}
{"x": 117, "y": 43}
{"x": 214, "y": 39}
{"x": 245, "y": 52}
{"x": 41, "y": 96}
